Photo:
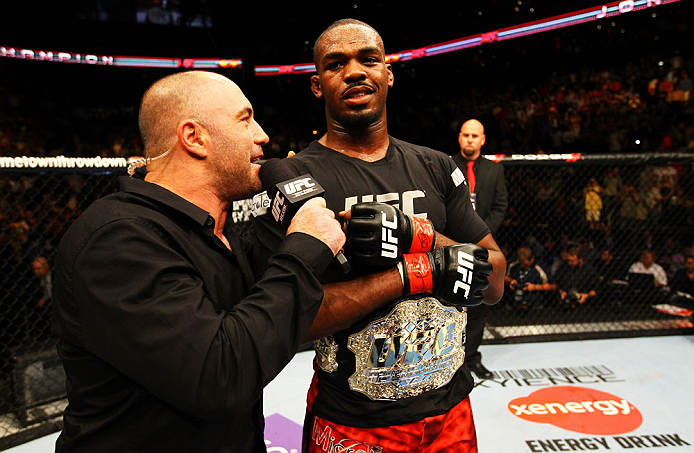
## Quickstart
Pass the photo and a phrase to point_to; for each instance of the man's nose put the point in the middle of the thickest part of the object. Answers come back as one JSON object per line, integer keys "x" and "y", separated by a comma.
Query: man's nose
{"x": 259, "y": 135}
{"x": 354, "y": 70}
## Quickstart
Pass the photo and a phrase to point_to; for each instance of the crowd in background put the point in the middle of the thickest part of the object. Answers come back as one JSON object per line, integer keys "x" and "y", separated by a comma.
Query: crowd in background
{"x": 639, "y": 103}
{"x": 642, "y": 107}
{"x": 588, "y": 89}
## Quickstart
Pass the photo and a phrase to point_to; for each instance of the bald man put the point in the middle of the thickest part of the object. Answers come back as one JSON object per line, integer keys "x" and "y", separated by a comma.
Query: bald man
{"x": 166, "y": 340}
{"x": 488, "y": 194}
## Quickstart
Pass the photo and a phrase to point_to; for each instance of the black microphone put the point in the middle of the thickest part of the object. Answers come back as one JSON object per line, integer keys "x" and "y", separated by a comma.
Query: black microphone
{"x": 288, "y": 192}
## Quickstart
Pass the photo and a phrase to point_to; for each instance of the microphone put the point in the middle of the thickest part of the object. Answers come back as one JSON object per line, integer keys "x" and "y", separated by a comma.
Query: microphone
{"x": 288, "y": 192}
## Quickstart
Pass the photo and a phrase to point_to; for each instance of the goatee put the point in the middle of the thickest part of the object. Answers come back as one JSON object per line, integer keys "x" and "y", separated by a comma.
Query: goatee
{"x": 357, "y": 121}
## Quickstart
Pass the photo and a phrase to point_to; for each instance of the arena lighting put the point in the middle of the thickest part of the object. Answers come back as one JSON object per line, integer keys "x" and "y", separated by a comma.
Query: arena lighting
{"x": 207, "y": 63}
{"x": 108, "y": 60}
{"x": 143, "y": 62}
{"x": 529, "y": 28}
{"x": 285, "y": 69}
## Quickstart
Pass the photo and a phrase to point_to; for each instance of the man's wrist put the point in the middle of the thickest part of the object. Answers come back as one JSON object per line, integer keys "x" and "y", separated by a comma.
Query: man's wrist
{"x": 401, "y": 271}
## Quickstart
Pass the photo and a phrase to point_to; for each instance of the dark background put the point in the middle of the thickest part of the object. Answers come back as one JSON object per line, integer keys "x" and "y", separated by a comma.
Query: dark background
{"x": 431, "y": 97}
{"x": 530, "y": 93}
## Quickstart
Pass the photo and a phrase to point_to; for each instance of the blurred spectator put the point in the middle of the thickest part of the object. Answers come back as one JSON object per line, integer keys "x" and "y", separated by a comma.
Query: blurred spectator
{"x": 576, "y": 280}
{"x": 40, "y": 321}
{"x": 42, "y": 270}
{"x": 608, "y": 268}
{"x": 611, "y": 271}
{"x": 547, "y": 252}
{"x": 645, "y": 241}
{"x": 647, "y": 265}
{"x": 632, "y": 215}
{"x": 678, "y": 258}
{"x": 593, "y": 203}
{"x": 684, "y": 278}
{"x": 668, "y": 250}
{"x": 685, "y": 84}
{"x": 612, "y": 182}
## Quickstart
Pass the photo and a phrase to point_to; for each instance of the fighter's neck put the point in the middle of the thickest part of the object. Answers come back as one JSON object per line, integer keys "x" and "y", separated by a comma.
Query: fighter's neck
{"x": 369, "y": 146}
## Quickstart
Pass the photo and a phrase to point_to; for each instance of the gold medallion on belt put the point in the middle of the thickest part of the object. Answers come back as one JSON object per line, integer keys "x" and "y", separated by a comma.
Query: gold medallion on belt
{"x": 415, "y": 348}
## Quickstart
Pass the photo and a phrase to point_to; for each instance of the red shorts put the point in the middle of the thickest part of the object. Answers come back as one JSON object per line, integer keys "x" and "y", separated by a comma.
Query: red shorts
{"x": 452, "y": 432}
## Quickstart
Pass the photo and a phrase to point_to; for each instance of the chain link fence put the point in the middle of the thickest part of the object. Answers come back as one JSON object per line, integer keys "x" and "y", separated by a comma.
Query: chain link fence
{"x": 36, "y": 208}
{"x": 643, "y": 202}
{"x": 588, "y": 221}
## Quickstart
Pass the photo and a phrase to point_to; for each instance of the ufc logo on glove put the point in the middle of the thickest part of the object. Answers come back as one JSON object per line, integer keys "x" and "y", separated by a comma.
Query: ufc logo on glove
{"x": 455, "y": 274}
{"x": 389, "y": 244}
{"x": 466, "y": 268}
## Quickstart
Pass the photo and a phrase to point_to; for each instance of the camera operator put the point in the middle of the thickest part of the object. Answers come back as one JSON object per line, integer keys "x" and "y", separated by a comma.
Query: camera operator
{"x": 576, "y": 280}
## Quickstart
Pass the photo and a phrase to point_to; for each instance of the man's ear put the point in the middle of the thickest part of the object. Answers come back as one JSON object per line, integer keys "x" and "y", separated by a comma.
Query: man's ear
{"x": 193, "y": 137}
{"x": 315, "y": 87}
{"x": 391, "y": 76}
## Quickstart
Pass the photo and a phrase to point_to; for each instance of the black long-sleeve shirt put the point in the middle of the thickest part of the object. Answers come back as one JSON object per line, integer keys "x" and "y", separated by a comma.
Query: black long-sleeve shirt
{"x": 166, "y": 341}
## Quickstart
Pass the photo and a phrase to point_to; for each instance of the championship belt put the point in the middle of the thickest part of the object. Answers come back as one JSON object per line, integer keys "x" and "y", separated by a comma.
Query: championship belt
{"x": 415, "y": 348}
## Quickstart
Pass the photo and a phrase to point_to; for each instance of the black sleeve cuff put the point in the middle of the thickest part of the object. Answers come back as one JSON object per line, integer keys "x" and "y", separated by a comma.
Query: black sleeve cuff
{"x": 312, "y": 251}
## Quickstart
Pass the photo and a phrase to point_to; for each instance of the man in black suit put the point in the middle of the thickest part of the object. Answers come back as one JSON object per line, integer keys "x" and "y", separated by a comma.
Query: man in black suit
{"x": 490, "y": 199}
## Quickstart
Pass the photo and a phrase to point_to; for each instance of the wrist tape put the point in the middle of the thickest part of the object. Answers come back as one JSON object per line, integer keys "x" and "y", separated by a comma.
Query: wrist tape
{"x": 423, "y": 235}
{"x": 415, "y": 271}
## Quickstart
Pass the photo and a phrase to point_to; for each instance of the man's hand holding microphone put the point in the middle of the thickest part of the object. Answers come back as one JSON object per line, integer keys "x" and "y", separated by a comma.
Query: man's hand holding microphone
{"x": 297, "y": 206}
{"x": 314, "y": 219}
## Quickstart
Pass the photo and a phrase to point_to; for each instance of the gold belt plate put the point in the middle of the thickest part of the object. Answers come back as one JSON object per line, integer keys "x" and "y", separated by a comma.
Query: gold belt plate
{"x": 415, "y": 348}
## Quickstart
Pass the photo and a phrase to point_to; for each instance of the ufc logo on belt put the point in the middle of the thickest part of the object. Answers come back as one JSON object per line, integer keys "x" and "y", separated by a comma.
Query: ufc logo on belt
{"x": 389, "y": 243}
{"x": 465, "y": 268}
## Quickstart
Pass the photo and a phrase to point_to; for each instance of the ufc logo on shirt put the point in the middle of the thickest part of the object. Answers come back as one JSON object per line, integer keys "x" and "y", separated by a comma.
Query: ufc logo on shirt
{"x": 404, "y": 201}
{"x": 465, "y": 269}
{"x": 389, "y": 243}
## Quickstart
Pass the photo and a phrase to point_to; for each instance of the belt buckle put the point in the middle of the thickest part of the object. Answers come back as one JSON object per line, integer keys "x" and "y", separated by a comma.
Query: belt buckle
{"x": 415, "y": 348}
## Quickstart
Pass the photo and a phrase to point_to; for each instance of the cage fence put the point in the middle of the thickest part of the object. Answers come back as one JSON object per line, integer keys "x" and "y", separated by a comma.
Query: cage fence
{"x": 587, "y": 206}
{"x": 608, "y": 211}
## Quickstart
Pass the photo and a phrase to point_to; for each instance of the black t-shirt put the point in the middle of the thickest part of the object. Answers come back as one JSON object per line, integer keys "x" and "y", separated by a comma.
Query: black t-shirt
{"x": 421, "y": 182}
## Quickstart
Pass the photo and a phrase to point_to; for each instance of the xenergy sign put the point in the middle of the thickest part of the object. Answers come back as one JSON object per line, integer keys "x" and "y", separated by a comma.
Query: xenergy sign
{"x": 593, "y": 413}
{"x": 578, "y": 409}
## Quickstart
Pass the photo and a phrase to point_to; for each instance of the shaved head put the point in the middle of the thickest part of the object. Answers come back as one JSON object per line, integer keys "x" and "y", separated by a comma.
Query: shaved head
{"x": 473, "y": 124}
{"x": 185, "y": 95}
{"x": 318, "y": 48}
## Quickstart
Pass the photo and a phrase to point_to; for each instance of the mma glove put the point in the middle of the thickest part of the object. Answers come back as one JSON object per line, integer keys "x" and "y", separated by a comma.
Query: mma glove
{"x": 456, "y": 274}
{"x": 378, "y": 234}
